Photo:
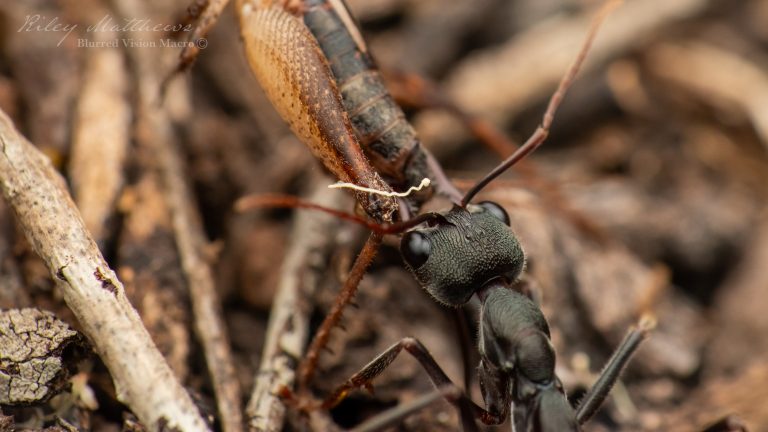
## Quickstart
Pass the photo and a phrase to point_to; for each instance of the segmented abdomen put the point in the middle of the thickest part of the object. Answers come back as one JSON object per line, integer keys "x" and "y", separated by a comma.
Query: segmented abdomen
{"x": 289, "y": 65}
{"x": 380, "y": 125}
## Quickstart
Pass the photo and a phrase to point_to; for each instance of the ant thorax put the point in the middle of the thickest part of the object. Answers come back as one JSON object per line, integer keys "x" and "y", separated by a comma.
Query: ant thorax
{"x": 462, "y": 251}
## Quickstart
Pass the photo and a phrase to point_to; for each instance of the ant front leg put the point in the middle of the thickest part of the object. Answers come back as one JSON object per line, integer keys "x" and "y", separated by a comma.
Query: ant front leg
{"x": 621, "y": 356}
{"x": 468, "y": 410}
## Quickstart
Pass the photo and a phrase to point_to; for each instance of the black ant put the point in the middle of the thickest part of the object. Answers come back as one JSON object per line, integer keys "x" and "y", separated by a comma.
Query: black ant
{"x": 466, "y": 250}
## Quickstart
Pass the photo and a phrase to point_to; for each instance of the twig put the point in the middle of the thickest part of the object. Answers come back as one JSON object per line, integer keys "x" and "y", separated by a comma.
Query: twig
{"x": 90, "y": 288}
{"x": 154, "y": 128}
{"x": 101, "y": 135}
{"x": 288, "y": 328}
{"x": 209, "y": 323}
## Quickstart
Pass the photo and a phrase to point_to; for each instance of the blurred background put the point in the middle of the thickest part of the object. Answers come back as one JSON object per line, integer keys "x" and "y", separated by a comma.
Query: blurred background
{"x": 649, "y": 195}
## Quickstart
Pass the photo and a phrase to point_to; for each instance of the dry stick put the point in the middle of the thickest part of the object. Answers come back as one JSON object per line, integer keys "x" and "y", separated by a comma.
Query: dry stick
{"x": 52, "y": 224}
{"x": 155, "y": 129}
{"x": 288, "y": 328}
{"x": 101, "y": 136}
{"x": 344, "y": 298}
{"x": 206, "y": 308}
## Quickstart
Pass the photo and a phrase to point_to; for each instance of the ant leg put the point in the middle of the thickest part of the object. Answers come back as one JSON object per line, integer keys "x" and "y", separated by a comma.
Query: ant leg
{"x": 364, "y": 378}
{"x": 347, "y": 293}
{"x": 621, "y": 356}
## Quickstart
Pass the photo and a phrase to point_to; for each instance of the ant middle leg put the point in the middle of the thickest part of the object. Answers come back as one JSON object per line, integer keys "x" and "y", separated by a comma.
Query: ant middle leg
{"x": 619, "y": 359}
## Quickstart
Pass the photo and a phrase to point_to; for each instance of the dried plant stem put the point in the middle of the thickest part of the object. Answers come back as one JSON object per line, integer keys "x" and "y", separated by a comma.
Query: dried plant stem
{"x": 206, "y": 308}
{"x": 288, "y": 328}
{"x": 154, "y": 129}
{"x": 91, "y": 289}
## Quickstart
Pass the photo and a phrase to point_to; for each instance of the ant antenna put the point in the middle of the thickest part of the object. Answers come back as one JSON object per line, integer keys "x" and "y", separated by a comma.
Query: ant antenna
{"x": 287, "y": 201}
{"x": 542, "y": 131}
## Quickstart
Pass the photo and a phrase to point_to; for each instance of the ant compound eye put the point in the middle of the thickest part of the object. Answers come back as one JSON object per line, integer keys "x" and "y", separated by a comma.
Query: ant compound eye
{"x": 415, "y": 248}
{"x": 496, "y": 210}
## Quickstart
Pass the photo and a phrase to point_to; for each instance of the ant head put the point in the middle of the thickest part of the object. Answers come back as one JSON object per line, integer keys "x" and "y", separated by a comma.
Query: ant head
{"x": 459, "y": 252}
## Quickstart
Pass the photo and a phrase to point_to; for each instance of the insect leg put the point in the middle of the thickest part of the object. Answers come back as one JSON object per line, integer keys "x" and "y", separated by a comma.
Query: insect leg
{"x": 347, "y": 293}
{"x": 597, "y": 394}
{"x": 205, "y": 21}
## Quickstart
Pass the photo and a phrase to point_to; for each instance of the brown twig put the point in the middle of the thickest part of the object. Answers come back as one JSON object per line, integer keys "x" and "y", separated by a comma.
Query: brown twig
{"x": 209, "y": 323}
{"x": 54, "y": 227}
{"x": 208, "y": 17}
{"x": 154, "y": 129}
{"x": 288, "y": 328}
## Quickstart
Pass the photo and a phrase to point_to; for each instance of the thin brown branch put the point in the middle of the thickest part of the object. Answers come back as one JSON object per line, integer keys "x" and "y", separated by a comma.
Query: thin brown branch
{"x": 154, "y": 129}
{"x": 209, "y": 321}
{"x": 288, "y": 329}
{"x": 91, "y": 289}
